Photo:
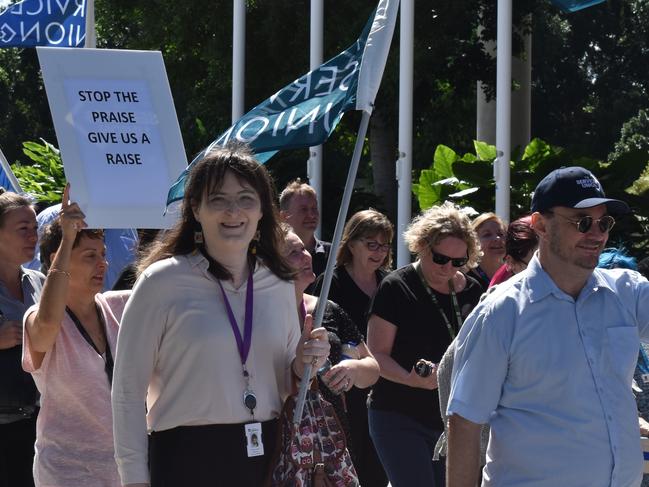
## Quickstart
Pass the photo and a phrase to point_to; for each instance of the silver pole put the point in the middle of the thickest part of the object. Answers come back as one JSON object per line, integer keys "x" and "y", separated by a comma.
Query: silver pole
{"x": 503, "y": 107}
{"x": 314, "y": 164}
{"x": 91, "y": 32}
{"x": 338, "y": 233}
{"x": 404, "y": 163}
{"x": 238, "y": 58}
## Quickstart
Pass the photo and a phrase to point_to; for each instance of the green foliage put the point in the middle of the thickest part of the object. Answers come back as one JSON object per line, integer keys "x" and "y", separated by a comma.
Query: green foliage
{"x": 468, "y": 181}
{"x": 44, "y": 178}
{"x": 633, "y": 136}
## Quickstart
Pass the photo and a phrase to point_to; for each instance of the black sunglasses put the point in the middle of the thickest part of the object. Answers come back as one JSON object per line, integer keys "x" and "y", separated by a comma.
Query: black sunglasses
{"x": 441, "y": 259}
{"x": 584, "y": 223}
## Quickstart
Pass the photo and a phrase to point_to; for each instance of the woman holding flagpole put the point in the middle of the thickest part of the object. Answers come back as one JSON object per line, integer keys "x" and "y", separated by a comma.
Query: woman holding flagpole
{"x": 210, "y": 338}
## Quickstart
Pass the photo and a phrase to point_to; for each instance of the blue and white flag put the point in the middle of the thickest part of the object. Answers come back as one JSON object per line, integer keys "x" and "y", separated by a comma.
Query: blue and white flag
{"x": 29, "y": 23}
{"x": 574, "y": 5}
{"x": 8, "y": 179}
{"x": 304, "y": 113}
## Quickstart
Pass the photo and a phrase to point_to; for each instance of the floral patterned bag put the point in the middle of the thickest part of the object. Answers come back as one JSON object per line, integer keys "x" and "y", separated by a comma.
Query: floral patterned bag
{"x": 315, "y": 453}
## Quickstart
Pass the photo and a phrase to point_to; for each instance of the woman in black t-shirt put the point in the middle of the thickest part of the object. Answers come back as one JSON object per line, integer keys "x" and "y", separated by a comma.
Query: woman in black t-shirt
{"x": 416, "y": 312}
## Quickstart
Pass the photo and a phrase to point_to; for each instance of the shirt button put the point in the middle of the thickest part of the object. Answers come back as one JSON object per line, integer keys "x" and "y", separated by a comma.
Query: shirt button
{"x": 610, "y": 418}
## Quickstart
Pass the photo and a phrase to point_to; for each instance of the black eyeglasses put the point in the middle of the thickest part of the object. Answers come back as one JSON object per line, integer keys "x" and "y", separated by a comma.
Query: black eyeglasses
{"x": 441, "y": 259}
{"x": 373, "y": 245}
{"x": 584, "y": 223}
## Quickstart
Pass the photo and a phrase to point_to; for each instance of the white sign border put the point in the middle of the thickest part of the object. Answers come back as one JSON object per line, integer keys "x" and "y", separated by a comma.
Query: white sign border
{"x": 59, "y": 64}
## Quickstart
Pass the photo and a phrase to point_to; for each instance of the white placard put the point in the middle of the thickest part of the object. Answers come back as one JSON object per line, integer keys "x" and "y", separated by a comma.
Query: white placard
{"x": 118, "y": 133}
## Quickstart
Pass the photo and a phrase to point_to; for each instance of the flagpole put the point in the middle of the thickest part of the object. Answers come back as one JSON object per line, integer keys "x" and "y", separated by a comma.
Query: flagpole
{"x": 503, "y": 107}
{"x": 238, "y": 58}
{"x": 404, "y": 163}
{"x": 335, "y": 243}
{"x": 314, "y": 164}
{"x": 9, "y": 173}
{"x": 91, "y": 32}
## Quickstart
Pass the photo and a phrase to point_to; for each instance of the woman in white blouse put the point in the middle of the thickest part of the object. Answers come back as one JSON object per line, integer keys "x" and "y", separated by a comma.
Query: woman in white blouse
{"x": 210, "y": 337}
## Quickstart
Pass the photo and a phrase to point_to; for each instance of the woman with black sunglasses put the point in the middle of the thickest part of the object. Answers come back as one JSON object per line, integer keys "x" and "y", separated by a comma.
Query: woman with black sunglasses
{"x": 68, "y": 347}
{"x": 416, "y": 312}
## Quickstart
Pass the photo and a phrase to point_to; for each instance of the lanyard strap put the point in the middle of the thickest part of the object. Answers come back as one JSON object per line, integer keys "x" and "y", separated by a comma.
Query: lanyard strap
{"x": 302, "y": 311}
{"x": 108, "y": 361}
{"x": 243, "y": 344}
{"x": 478, "y": 270}
{"x": 456, "y": 306}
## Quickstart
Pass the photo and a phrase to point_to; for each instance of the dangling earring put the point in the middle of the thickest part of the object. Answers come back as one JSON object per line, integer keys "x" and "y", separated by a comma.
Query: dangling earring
{"x": 253, "y": 243}
{"x": 198, "y": 237}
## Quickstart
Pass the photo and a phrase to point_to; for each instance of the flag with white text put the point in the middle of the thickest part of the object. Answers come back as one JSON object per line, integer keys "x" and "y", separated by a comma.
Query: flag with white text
{"x": 305, "y": 113}
{"x": 30, "y": 23}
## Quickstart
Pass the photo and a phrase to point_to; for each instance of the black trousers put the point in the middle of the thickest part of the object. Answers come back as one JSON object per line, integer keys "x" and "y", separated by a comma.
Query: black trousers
{"x": 209, "y": 456}
{"x": 17, "y": 453}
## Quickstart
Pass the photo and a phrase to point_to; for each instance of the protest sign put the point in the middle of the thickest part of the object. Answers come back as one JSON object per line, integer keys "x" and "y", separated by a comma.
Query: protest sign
{"x": 118, "y": 133}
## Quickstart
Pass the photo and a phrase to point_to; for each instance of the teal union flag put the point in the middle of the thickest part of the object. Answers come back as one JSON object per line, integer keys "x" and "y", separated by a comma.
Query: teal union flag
{"x": 574, "y": 5}
{"x": 305, "y": 112}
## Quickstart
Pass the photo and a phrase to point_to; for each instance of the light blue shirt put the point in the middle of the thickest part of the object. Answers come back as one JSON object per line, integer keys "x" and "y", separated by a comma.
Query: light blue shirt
{"x": 552, "y": 376}
{"x": 121, "y": 246}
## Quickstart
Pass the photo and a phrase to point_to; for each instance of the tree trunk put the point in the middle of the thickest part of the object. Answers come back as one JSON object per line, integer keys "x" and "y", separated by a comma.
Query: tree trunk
{"x": 383, "y": 155}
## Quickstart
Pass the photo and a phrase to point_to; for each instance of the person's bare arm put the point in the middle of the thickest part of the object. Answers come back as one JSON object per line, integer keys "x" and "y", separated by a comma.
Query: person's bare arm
{"x": 463, "y": 457}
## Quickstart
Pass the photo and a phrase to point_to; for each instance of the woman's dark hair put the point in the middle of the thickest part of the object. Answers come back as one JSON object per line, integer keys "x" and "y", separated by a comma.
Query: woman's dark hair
{"x": 52, "y": 236}
{"x": 208, "y": 174}
{"x": 520, "y": 239}
{"x": 11, "y": 201}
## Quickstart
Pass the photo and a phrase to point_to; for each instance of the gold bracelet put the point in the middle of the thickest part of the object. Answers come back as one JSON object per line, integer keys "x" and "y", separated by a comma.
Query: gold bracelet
{"x": 58, "y": 271}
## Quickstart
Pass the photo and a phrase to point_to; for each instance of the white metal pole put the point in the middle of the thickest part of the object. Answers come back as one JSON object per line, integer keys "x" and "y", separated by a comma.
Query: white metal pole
{"x": 503, "y": 107}
{"x": 238, "y": 58}
{"x": 404, "y": 163}
{"x": 335, "y": 243}
{"x": 314, "y": 164}
{"x": 91, "y": 31}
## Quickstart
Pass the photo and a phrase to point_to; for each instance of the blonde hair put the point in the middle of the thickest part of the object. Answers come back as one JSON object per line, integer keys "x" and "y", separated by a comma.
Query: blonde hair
{"x": 294, "y": 187}
{"x": 364, "y": 224}
{"x": 484, "y": 218}
{"x": 438, "y": 223}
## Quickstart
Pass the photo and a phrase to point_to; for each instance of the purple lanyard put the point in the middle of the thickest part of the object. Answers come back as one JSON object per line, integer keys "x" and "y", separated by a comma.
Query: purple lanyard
{"x": 243, "y": 344}
{"x": 302, "y": 311}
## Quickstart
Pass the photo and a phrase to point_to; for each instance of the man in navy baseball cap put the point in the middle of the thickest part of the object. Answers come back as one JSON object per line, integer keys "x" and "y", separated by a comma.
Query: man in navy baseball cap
{"x": 548, "y": 357}
{"x": 573, "y": 187}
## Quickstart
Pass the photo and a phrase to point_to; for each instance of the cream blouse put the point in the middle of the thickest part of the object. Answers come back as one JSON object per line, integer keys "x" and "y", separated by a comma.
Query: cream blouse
{"x": 177, "y": 350}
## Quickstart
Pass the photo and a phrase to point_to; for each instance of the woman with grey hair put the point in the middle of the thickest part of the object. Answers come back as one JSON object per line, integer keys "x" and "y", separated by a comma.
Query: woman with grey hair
{"x": 417, "y": 311}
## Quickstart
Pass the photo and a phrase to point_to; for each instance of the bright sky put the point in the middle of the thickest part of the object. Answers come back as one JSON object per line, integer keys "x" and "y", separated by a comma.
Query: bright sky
{"x": 4, "y": 3}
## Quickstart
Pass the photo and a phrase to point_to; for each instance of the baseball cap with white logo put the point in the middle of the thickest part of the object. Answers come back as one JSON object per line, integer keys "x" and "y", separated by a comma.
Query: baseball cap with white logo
{"x": 573, "y": 187}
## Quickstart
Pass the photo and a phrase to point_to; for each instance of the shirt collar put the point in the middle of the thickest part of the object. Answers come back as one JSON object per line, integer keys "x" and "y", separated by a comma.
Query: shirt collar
{"x": 319, "y": 246}
{"x": 198, "y": 260}
{"x": 539, "y": 283}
